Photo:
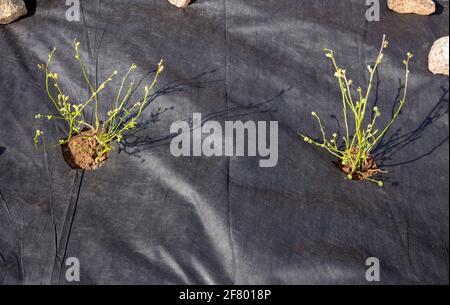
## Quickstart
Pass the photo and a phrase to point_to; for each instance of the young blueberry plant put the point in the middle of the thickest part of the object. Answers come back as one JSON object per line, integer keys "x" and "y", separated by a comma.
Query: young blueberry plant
{"x": 361, "y": 134}
{"x": 122, "y": 116}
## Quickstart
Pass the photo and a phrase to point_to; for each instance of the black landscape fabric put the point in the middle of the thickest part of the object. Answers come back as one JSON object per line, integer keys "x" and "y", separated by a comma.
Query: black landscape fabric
{"x": 148, "y": 217}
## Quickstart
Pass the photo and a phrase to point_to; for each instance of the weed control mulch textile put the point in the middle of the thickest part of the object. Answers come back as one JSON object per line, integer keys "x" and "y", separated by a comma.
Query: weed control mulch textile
{"x": 148, "y": 217}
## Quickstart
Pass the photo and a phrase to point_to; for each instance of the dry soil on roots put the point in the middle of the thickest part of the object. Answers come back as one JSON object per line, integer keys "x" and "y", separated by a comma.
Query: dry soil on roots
{"x": 370, "y": 168}
{"x": 81, "y": 152}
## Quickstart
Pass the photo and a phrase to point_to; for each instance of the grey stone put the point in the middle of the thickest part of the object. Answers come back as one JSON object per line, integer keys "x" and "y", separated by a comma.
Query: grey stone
{"x": 421, "y": 7}
{"x": 11, "y": 10}
{"x": 180, "y": 3}
{"x": 438, "y": 58}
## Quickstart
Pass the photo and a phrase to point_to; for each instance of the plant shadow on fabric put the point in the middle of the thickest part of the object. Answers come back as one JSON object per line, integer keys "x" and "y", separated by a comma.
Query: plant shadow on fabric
{"x": 135, "y": 143}
{"x": 392, "y": 144}
{"x": 399, "y": 140}
{"x": 135, "y": 140}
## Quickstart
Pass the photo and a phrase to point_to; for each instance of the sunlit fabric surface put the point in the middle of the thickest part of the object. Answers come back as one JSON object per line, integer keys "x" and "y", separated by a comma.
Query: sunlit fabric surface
{"x": 147, "y": 217}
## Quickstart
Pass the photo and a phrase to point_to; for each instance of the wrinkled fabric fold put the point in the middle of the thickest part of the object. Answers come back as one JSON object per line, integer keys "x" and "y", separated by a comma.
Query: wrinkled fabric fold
{"x": 148, "y": 217}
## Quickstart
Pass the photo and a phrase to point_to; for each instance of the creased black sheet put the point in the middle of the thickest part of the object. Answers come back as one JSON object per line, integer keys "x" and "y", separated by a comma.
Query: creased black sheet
{"x": 150, "y": 218}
